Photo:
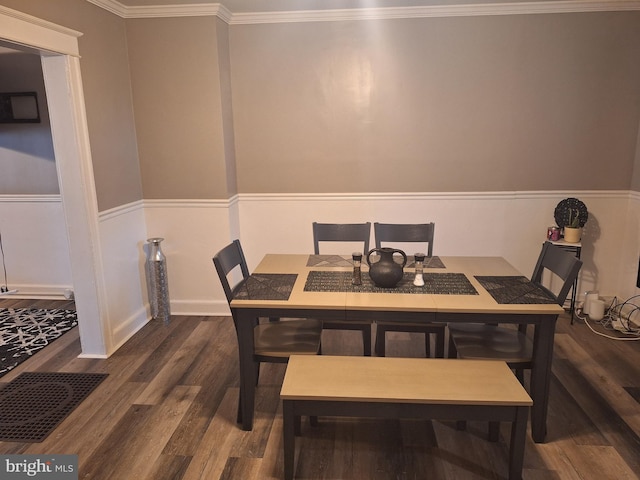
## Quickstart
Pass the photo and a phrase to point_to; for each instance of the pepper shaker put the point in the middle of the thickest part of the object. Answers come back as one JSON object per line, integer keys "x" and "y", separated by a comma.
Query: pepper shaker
{"x": 357, "y": 270}
{"x": 418, "y": 281}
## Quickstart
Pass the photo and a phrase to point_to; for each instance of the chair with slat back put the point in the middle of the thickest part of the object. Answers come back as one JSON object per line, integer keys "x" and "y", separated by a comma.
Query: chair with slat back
{"x": 274, "y": 342}
{"x": 513, "y": 346}
{"x": 345, "y": 232}
{"x": 394, "y": 233}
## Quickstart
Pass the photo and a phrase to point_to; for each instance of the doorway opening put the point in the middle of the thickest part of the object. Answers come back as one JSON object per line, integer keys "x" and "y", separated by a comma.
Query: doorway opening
{"x": 58, "y": 50}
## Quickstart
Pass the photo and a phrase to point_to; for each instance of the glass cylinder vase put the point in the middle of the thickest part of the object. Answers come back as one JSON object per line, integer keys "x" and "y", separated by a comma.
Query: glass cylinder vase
{"x": 157, "y": 281}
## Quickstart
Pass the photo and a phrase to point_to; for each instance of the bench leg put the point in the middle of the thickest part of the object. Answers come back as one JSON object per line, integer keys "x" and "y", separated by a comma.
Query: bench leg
{"x": 518, "y": 438}
{"x": 288, "y": 422}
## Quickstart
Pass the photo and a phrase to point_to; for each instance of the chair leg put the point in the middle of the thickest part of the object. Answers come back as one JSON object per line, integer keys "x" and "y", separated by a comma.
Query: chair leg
{"x": 453, "y": 353}
{"x": 494, "y": 431}
{"x": 297, "y": 425}
{"x": 366, "y": 340}
{"x": 380, "y": 339}
{"x": 440, "y": 344}
{"x": 239, "y": 414}
{"x": 427, "y": 345}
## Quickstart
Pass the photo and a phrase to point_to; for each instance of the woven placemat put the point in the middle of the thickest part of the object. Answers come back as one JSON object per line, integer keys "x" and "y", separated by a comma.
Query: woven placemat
{"x": 267, "y": 286}
{"x": 515, "y": 290}
{"x": 35, "y": 403}
{"x": 434, "y": 283}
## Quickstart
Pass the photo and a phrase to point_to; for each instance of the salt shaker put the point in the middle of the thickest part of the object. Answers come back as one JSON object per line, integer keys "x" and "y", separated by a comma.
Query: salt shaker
{"x": 418, "y": 281}
{"x": 357, "y": 272}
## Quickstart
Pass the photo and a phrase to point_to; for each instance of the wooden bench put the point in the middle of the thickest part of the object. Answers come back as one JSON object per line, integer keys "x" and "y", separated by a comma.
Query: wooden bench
{"x": 445, "y": 389}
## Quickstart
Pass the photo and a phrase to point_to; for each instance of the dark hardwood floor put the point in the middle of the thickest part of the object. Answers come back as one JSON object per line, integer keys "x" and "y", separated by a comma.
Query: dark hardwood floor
{"x": 167, "y": 411}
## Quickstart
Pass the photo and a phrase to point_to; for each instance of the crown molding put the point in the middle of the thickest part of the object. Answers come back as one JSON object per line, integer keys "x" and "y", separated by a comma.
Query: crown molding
{"x": 469, "y": 10}
{"x": 462, "y": 10}
{"x": 112, "y": 6}
{"x": 159, "y": 11}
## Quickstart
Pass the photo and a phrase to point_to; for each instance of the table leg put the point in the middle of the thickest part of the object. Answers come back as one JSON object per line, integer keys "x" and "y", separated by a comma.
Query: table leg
{"x": 247, "y": 368}
{"x": 288, "y": 422}
{"x": 541, "y": 375}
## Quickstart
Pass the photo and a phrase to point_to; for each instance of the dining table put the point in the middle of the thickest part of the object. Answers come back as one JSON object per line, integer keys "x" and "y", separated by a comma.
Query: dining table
{"x": 464, "y": 289}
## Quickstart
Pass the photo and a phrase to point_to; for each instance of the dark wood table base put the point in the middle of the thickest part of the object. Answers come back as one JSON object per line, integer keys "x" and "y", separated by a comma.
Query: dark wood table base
{"x": 517, "y": 415}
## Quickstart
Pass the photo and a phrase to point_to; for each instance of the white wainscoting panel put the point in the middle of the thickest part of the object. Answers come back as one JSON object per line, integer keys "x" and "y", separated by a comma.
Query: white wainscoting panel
{"x": 122, "y": 235}
{"x": 194, "y": 230}
{"x": 35, "y": 244}
{"x": 508, "y": 224}
{"x": 630, "y": 251}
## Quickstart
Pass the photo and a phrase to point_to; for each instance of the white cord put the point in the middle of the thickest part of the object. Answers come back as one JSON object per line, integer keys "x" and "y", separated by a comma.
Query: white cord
{"x": 606, "y": 322}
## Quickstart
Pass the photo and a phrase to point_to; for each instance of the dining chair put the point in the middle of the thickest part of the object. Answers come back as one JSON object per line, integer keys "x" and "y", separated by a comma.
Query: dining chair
{"x": 273, "y": 342}
{"x": 396, "y": 233}
{"x": 345, "y": 232}
{"x": 510, "y": 345}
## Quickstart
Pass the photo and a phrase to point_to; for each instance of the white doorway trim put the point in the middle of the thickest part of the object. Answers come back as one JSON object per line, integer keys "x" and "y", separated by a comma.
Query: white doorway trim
{"x": 58, "y": 47}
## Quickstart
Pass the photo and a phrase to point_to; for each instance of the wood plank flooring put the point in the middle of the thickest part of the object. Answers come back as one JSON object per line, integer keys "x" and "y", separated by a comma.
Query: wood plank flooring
{"x": 167, "y": 411}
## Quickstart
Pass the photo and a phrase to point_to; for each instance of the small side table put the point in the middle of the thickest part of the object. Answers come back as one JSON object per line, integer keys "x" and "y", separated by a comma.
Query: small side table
{"x": 576, "y": 249}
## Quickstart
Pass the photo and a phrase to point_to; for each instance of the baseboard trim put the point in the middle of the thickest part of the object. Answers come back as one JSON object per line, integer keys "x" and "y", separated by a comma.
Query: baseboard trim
{"x": 128, "y": 329}
{"x": 40, "y": 292}
{"x": 208, "y": 308}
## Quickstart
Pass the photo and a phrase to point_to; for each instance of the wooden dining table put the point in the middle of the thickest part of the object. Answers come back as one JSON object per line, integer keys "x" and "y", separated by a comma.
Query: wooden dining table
{"x": 456, "y": 290}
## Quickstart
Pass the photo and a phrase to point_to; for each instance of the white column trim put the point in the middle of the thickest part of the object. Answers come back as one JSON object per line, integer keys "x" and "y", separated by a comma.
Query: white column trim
{"x": 23, "y": 29}
{"x": 77, "y": 186}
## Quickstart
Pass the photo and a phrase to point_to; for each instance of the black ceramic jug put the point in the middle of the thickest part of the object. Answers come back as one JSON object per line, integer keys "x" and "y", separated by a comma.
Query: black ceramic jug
{"x": 386, "y": 272}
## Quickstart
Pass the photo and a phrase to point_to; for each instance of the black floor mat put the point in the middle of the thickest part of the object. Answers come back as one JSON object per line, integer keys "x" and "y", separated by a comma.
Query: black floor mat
{"x": 34, "y": 403}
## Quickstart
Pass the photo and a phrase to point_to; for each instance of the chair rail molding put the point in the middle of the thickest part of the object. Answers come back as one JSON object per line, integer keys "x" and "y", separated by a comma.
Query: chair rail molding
{"x": 499, "y": 195}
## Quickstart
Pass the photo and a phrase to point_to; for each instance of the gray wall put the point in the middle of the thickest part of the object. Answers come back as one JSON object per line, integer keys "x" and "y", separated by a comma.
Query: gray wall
{"x": 530, "y": 102}
{"x": 27, "y": 161}
{"x": 177, "y": 99}
{"x": 107, "y": 88}
{"x": 635, "y": 180}
{"x": 490, "y": 103}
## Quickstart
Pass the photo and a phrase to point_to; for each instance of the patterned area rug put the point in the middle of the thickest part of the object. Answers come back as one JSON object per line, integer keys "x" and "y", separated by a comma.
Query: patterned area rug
{"x": 35, "y": 403}
{"x": 25, "y": 331}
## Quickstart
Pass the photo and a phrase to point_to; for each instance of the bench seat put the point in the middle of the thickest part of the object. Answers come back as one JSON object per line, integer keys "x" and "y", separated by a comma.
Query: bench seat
{"x": 389, "y": 387}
